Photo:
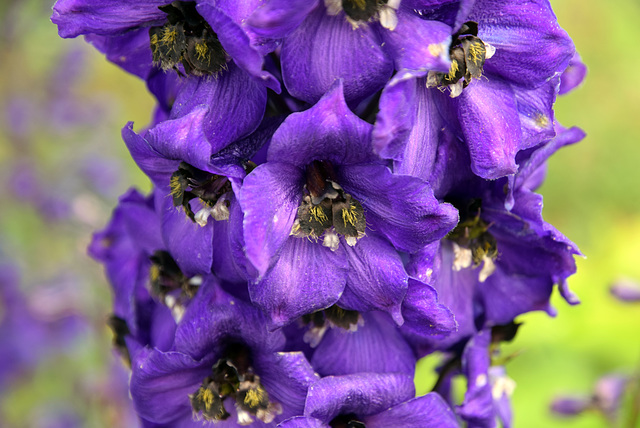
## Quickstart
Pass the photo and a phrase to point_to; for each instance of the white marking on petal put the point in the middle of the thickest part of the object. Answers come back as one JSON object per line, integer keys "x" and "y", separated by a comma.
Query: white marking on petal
{"x": 334, "y": 7}
{"x": 502, "y": 386}
{"x": 388, "y": 18}
{"x": 481, "y": 380}
{"x": 456, "y": 89}
{"x": 331, "y": 240}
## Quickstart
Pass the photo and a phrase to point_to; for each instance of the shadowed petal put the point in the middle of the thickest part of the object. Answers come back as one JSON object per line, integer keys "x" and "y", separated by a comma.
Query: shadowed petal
{"x": 306, "y": 278}
{"x": 428, "y": 411}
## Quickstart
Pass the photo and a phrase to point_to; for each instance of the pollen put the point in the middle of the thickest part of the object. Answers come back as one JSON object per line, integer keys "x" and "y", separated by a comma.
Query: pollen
{"x": 476, "y": 50}
{"x": 176, "y": 187}
{"x": 349, "y": 215}
{"x": 206, "y": 397}
{"x": 453, "y": 70}
{"x": 435, "y": 49}
{"x": 202, "y": 50}
{"x": 154, "y": 272}
{"x": 318, "y": 214}
{"x": 168, "y": 35}
{"x": 254, "y": 397}
{"x": 541, "y": 120}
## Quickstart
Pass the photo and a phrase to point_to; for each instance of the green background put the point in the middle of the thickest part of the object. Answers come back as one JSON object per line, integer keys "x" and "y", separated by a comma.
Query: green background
{"x": 592, "y": 195}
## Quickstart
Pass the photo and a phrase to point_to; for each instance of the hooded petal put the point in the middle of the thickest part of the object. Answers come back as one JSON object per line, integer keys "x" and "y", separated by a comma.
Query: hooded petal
{"x": 306, "y": 278}
{"x": 326, "y": 48}
{"x": 423, "y": 314}
{"x": 327, "y": 131}
{"x": 129, "y": 50}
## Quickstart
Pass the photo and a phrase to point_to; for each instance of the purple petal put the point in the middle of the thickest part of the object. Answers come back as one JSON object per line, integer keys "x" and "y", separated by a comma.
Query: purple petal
{"x": 423, "y": 314}
{"x": 161, "y": 383}
{"x": 402, "y": 208}
{"x": 130, "y": 50}
{"x": 327, "y": 131}
{"x": 573, "y": 76}
{"x": 190, "y": 244}
{"x": 530, "y": 45}
{"x": 107, "y": 17}
{"x": 375, "y": 347}
{"x": 287, "y": 379}
{"x": 235, "y": 102}
{"x": 303, "y": 422}
{"x": 327, "y": 48}
{"x": 418, "y": 44}
{"x": 237, "y": 44}
{"x": 306, "y": 278}
{"x": 626, "y": 290}
{"x": 276, "y": 19}
{"x": 488, "y": 115}
{"x": 376, "y": 277}
{"x": 362, "y": 394}
{"x": 269, "y": 198}
{"x": 428, "y": 411}
{"x": 477, "y": 407}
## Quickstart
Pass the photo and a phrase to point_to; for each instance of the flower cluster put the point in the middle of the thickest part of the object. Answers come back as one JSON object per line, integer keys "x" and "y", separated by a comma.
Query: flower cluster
{"x": 339, "y": 189}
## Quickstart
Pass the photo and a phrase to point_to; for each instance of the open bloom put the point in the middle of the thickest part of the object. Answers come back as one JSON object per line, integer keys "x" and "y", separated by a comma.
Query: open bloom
{"x": 503, "y": 94}
{"x": 324, "y": 218}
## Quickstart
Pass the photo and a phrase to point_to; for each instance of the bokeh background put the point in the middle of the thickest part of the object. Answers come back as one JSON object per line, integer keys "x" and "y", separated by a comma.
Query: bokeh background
{"x": 63, "y": 165}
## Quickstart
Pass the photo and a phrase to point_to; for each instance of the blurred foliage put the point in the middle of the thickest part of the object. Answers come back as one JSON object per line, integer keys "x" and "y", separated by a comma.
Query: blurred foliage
{"x": 592, "y": 194}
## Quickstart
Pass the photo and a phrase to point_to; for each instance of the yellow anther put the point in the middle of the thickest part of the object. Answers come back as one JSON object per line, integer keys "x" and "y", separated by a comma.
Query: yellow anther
{"x": 318, "y": 214}
{"x": 154, "y": 272}
{"x": 206, "y": 396}
{"x": 360, "y": 3}
{"x": 476, "y": 51}
{"x": 453, "y": 70}
{"x": 349, "y": 215}
{"x": 168, "y": 35}
{"x": 202, "y": 51}
{"x": 175, "y": 186}
{"x": 254, "y": 397}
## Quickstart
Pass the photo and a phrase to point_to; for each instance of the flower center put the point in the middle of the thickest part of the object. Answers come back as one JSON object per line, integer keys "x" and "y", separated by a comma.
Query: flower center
{"x": 473, "y": 244}
{"x": 232, "y": 377}
{"x": 327, "y": 210}
{"x": 333, "y": 316}
{"x": 468, "y": 54}
{"x": 214, "y": 191}
{"x": 360, "y": 11}
{"x": 346, "y": 421}
{"x": 187, "y": 39}
{"x": 170, "y": 285}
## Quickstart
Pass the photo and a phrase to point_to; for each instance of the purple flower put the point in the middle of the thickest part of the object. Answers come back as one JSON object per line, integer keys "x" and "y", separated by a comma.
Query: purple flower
{"x": 324, "y": 212}
{"x": 372, "y": 400}
{"x": 361, "y": 44}
{"x": 626, "y": 290}
{"x": 498, "y": 116}
{"x": 126, "y": 247}
{"x": 223, "y": 366}
{"x": 498, "y": 262}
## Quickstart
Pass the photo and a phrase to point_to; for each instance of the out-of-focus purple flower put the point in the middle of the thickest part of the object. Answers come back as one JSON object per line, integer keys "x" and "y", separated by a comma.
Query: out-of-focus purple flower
{"x": 626, "y": 290}
{"x": 497, "y": 117}
{"x": 27, "y": 337}
{"x": 322, "y": 181}
{"x": 373, "y": 400}
{"x": 606, "y": 398}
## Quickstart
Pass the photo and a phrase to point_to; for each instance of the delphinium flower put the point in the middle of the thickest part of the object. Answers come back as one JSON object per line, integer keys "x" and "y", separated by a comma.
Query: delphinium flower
{"x": 323, "y": 211}
{"x": 299, "y": 251}
{"x": 497, "y": 96}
